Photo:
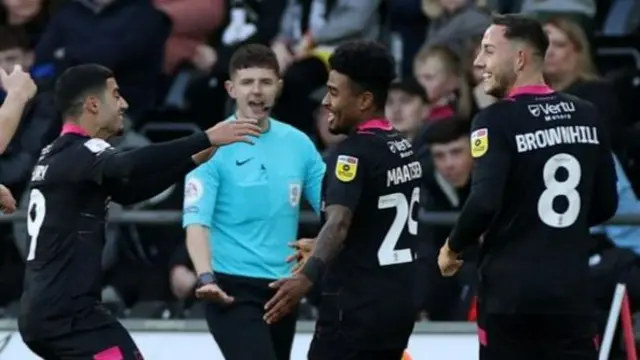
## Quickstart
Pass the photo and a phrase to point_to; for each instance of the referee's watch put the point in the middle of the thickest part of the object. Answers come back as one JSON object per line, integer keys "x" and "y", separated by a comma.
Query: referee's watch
{"x": 205, "y": 279}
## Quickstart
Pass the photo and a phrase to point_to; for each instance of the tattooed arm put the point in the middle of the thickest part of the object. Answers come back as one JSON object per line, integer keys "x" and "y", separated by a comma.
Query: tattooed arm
{"x": 332, "y": 235}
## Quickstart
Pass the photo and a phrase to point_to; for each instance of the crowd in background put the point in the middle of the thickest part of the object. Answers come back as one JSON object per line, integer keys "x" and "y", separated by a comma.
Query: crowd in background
{"x": 171, "y": 58}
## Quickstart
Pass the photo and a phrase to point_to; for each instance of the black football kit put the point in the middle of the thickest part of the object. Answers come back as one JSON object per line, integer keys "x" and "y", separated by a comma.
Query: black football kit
{"x": 543, "y": 175}
{"x": 368, "y": 307}
{"x": 71, "y": 186}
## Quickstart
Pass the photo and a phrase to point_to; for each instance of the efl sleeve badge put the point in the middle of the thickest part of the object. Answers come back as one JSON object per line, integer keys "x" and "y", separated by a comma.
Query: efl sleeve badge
{"x": 479, "y": 142}
{"x": 346, "y": 168}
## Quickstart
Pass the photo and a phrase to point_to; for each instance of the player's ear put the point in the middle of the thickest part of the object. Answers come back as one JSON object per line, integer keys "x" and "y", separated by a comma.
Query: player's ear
{"x": 230, "y": 88}
{"x": 92, "y": 104}
{"x": 366, "y": 100}
{"x": 520, "y": 59}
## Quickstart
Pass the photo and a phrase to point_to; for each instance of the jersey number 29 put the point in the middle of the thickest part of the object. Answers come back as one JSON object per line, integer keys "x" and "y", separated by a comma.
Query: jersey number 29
{"x": 37, "y": 208}
{"x": 554, "y": 189}
{"x": 387, "y": 253}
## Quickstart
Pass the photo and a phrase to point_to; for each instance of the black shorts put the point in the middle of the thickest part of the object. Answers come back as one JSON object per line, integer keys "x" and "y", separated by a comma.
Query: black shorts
{"x": 335, "y": 347}
{"x": 538, "y": 337}
{"x": 238, "y": 328}
{"x": 107, "y": 342}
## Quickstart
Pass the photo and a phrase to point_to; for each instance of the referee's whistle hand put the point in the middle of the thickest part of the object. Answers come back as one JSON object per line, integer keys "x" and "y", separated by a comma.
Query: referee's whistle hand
{"x": 229, "y": 132}
{"x": 212, "y": 292}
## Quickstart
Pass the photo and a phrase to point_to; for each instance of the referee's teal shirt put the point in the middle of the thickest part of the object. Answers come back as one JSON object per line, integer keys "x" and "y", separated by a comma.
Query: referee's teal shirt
{"x": 249, "y": 198}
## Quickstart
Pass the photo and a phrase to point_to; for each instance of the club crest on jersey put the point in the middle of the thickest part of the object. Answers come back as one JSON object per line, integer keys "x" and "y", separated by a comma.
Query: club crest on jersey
{"x": 294, "y": 194}
{"x": 479, "y": 142}
{"x": 346, "y": 168}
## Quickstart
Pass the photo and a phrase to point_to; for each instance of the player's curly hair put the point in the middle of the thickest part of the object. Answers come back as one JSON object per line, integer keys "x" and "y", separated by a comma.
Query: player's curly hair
{"x": 368, "y": 64}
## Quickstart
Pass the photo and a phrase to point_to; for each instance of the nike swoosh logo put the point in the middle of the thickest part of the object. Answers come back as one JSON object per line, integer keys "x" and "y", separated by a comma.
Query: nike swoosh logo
{"x": 240, "y": 163}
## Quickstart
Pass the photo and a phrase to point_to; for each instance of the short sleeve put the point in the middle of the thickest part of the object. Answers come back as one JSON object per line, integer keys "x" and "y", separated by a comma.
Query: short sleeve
{"x": 200, "y": 194}
{"x": 94, "y": 159}
{"x": 315, "y": 169}
{"x": 345, "y": 176}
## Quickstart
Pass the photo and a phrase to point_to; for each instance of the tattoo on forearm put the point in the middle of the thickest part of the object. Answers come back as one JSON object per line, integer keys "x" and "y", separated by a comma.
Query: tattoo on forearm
{"x": 331, "y": 238}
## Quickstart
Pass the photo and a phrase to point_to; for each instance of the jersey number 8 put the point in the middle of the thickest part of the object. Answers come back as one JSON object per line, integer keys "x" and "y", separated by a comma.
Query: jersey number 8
{"x": 387, "y": 253}
{"x": 37, "y": 208}
{"x": 565, "y": 188}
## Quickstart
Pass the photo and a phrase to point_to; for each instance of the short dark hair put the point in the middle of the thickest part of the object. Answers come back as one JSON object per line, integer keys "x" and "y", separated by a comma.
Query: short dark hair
{"x": 524, "y": 28}
{"x": 446, "y": 130}
{"x": 368, "y": 64}
{"x": 253, "y": 56}
{"x": 13, "y": 37}
{"x": 76, "y": 83}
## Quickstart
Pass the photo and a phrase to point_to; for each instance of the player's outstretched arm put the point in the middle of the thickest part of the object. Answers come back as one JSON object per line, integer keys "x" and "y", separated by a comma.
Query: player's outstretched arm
{"x": 20, "y": 88}
{"x": 156, "y": 158}
{"x": 135, "y": 190}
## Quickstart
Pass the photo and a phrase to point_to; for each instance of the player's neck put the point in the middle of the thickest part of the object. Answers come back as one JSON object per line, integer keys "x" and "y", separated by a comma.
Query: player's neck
{"x": 529, "y": 79}
{"x": 89, "y": 128}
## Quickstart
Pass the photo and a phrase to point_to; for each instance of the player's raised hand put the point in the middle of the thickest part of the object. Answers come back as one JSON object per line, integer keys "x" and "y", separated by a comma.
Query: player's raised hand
{"x": 18, "y": 81}
{"x": 213, "y": 292}
{"x": 7, "y": 202}
{"x": 290, "y": 292}
{"x": 228, "y": 132}
{"x": 303, "y": 249}
{"x": 448, "y": 261}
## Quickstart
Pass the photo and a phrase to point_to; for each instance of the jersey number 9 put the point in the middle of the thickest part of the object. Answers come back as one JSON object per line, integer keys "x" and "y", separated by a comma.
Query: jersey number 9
{"x": 387, "y": 253}
{"x": 565, "y": 188}
{"x": 35, "y": 217}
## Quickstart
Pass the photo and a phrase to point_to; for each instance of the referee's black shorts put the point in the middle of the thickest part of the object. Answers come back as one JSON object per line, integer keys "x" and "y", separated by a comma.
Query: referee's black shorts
{"x": 105, "y": 342}
{"x": 238, "y": 328}
{"x": 538, "y": 337}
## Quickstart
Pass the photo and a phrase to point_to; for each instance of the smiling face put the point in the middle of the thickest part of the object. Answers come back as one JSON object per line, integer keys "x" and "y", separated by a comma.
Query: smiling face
{"x": 342, "y": 103}
{"x": 110, "y": 108}
{"x": 496, "y": 59}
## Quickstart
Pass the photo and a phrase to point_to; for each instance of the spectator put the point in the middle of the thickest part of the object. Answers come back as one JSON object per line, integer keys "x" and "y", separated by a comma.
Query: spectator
{"x": 454, "y": 22}
{"x": 568, "y": 67}
{"x": 308, "y": 34}
{"x": 193, "y": 22}
{"x": 409, "y": 22}
{"x": 441, "y": 73}
{"x": 39, "y": 125}
{"x": 407, "y": 107}
{"x": 580, "y": 11}
{"x": 32, "y": 15}
{"x": 127, "y": 36}
{"x": 446, "y": 184}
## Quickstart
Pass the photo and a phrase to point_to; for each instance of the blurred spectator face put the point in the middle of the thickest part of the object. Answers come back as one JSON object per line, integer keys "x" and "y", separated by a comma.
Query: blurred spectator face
{"x": 15, "y": 56}
{"x": 14, "y": 48}
{"x": 453, "y": 161}
{"x": 21, "y": 11}
{"x": 562, "y": 55}
{"x": 110, "y": 109}
{"x": 452, "y": 5}
{"x": 341, "y": 103}
{"x": 406, "y": 112}
{"x": 255, "y": 90}
{"x": 497, "y": 59}
{"x": 432, "y": 74}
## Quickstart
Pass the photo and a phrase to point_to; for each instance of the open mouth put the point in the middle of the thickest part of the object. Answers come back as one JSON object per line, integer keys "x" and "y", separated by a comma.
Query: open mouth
{"x": 259, "y": 107}
{"x": 331, "y": 117}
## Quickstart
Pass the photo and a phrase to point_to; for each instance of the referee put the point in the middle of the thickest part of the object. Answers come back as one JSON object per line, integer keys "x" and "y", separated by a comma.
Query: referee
{"x": 241, "y": 211}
